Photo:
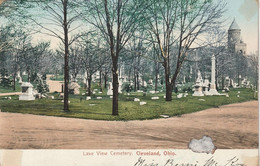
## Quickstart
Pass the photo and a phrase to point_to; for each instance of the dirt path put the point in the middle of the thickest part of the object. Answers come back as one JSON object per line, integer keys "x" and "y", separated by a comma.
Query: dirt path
{"x": 54, "y": 85}
{"x": 10, "y": 94}
{"x": 230, "y": 126}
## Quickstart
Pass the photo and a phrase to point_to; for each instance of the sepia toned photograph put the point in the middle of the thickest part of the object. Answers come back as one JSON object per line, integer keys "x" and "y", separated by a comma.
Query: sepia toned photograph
{"x": 129, "y": 74}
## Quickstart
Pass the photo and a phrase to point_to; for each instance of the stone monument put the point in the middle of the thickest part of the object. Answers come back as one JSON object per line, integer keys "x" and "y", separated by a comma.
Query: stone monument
{"x": 109, "y": 91}
{"x": 213, "y": 90}
{"x": 27, "y": 91}
{"x": 198, "y": 86}
{"x": 120, "y": 86}
{"x": 206, "y": 86}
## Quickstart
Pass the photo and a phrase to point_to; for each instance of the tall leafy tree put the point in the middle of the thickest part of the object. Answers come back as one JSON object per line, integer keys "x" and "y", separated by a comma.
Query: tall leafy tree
{"x": 57, "y": 19}
{"x": 175, "y": 27}
{"x": 117, "y": 20}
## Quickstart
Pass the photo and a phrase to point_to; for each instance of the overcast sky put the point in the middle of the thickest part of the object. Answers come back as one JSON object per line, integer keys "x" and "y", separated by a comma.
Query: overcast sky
{"x": 246, "y": 14}
{"x": 244, "y": 11}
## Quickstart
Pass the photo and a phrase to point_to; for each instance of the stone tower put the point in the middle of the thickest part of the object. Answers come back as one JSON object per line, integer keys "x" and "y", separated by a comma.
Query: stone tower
{"x": 235, "y": 44}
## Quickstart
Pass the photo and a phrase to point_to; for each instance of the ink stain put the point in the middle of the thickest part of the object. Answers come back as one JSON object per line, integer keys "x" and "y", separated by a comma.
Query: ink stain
{"x": 249, "y": 9}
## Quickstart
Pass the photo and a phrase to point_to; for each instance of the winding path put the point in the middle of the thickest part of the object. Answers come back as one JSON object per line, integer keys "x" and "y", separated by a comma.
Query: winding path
{"x": 230, "y": 126}
{"x": 53, "y": 85}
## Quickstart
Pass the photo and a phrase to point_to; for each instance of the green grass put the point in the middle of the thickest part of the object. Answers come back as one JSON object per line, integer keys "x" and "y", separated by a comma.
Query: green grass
{"x": 59, "y": 78}
{"x": 128, "y": 109}
{"x": 17, "y": 86}
{"x": 10, "y": 89}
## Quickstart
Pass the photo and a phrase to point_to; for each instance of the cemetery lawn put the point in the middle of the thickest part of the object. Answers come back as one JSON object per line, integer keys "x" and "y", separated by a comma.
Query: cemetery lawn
{"x": 128, "y": 109}
{"x": 10, "y": 89}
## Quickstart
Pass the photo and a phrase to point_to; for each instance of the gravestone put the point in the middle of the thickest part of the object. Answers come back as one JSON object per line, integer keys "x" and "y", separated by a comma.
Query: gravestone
{"x": 109, "y": 91}
{"x": 206, "y": 88}
{"x": 179, "y": 95}
{"x": 27, "y": 91}
{"x": 213, "y": 90}
{"x": 136, "y": 99}
{"x": 142, "y": 103}
{"x": 120, "y": 86}
{"x": 145, "y": 84}
{"x": 198, "y": 86}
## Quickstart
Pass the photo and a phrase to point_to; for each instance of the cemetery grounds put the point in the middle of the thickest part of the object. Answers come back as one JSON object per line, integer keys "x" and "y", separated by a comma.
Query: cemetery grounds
{"x": 135, "y": 127}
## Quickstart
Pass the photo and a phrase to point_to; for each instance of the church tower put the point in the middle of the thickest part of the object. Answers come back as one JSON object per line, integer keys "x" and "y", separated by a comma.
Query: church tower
{"x": 235, "y": 44}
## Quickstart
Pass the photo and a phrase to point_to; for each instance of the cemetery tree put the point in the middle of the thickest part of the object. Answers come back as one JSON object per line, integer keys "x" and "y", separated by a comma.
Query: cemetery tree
{"x": 76, "y": 60}
{"x": 254, "y": 67}
{"x": 94, "y": 58}
{"x": 106, "y": 68}
{"x": 57, "y": 19}
{"x": 117, "y": 21}
{"x": 176, "y": 26}
{"x": 6, "y": 53}
{"x": 136, "y": 51}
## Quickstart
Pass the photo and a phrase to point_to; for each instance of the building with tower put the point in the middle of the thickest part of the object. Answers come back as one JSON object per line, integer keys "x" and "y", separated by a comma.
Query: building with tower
{"x": 235, "y": 43}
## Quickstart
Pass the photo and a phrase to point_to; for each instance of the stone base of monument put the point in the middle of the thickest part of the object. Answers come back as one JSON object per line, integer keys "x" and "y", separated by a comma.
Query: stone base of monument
{"x": 26, "y": 97}
{"x": 207, "y": 93}
{"x": 214, "y": 92}
{"x": 197, "y": 93}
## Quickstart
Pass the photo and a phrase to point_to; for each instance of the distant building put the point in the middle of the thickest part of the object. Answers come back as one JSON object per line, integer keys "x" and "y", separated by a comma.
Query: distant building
{"x": 235, "y": 43}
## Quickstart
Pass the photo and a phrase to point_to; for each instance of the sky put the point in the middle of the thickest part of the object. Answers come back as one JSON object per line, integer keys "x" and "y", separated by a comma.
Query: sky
{"x": 244, "y": 11}
{"x": 246, "y": 14}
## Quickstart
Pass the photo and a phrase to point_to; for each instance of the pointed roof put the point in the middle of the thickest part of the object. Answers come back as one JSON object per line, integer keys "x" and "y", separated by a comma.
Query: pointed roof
{"x": 234, "y": 25}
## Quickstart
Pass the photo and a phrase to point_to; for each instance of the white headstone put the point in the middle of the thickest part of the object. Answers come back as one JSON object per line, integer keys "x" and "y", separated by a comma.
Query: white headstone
{"x": 109, "y": 91}
{"x": 27, "y": 91}
{"x": 155, "y": 98}
{"x": 136, "y": 99}
{"x": 120, "y": 86}
{"x": 143, "y": 103}
{"x": 145, "y": 84}
{"x": 88, "y": 98}
{"x": 179, "y": 95}
{"x": 198, "y": 86}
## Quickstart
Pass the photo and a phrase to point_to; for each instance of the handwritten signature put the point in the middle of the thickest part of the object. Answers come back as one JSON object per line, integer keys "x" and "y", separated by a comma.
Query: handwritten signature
{"x": 234, "y": 161}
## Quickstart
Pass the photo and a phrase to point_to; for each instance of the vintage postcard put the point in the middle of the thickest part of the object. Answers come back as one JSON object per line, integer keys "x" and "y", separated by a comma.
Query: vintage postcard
{"x": 129, "y": 82}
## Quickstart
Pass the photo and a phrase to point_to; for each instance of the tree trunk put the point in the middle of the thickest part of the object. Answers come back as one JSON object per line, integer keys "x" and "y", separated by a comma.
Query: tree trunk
{"x": 167, "y": 81}
{"x": 105, "y": 81}
{"x": 134, "y": 81}
{"x": 56, "y": 74}
{"x": 66, "y": 58}
{"x": 89, "y": 86}
{"x": 156, "y": 76}
{"x": 222, "y": 81}
{"x": 14, "y": 82}
{"x": 137, "y": 81}
{"x": 156, "y": 82}
{"x": 28, "y": 76}
{"x": 100, "y": 80}
{"x": 115, "y": 87}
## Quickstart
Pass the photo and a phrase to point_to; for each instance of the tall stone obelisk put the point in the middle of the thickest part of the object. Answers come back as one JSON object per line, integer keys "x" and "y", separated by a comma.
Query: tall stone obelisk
{"x": 213, "y": 90}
